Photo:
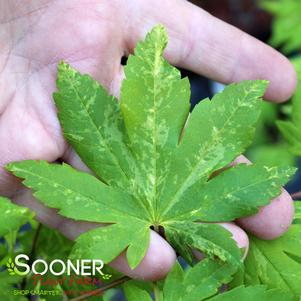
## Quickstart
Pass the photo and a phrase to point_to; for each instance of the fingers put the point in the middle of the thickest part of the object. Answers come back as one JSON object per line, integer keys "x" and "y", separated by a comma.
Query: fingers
{"x": 158, "y": 261}
{"x": 238, "y": 234}
{"x": 272, "y": 220}
{"x": 208, "y": 46}
{"x": 73, "y": 159}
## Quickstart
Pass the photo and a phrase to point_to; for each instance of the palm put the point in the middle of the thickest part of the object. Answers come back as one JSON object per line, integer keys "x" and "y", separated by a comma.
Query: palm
{"x": 29, "y": 128}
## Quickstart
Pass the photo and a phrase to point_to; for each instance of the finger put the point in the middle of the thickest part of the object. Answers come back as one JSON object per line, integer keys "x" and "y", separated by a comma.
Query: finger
{"x": 159, "y": 258}
{"x": 158, "y": 261}
{"x": 208, "y": 46}
{"x": 73, "y": 159}
{"x": 272, "y": 220}
{"x": 238, "y": 234}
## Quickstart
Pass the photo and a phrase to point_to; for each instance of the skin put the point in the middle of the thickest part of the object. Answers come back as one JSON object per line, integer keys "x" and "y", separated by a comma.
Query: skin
{"x": 93, "y": 36}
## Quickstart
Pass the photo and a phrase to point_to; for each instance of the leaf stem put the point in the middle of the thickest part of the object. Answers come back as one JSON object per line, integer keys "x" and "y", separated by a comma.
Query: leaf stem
{"x": 35, "y": 240}
{"x": 32, "y": 252}
{"x": 156, "y": 292}
{"x": 156, "y": 228}
{"x": 101, "y": 289}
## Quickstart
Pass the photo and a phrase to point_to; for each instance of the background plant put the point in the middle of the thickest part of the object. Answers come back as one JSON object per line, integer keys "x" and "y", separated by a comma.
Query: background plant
{"x": 269, "y": 145}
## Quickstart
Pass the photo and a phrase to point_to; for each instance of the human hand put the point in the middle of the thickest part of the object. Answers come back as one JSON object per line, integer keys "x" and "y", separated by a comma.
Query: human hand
{"x": 93, "y": 36}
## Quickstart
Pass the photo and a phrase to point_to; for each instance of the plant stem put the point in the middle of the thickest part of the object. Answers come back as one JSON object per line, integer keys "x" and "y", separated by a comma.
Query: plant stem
{"x": 11, "y": 240}
{"x": 35, "y": 240}
{"x": 101, "y": 289}
{"x": 156, "y": 228}
{"x": 32, "y": 251}
{"x": 156, "y": 292}
{"x": 296, "y": 195}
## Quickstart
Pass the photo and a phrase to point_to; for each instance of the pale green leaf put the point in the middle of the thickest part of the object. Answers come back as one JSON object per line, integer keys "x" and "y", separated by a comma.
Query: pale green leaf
{"x": 77, "y": 194}
{"x": 174, "y": 283}
{"x": 12, "y": 216}
{"x": 218, "y": 130}
{"x": 155, "y": 105}
{"x": 110, "y": 241}
{"x": 81, "y": 196}
{"x": 186, "y": 236}
{"x": 135, "y": 293}
{"x": 276, "y": 263}
{"x": 236, "y": 192}
{"x": 197, "y": 283}
{"x": 203, "y": 281}
{"x": 286, "y": 23}
{"x": 92, "y": 123}
{"x": 251, "y": 293}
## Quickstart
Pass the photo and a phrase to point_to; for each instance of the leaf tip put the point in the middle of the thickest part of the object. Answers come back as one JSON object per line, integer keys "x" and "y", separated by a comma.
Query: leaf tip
{"x": 11, "y": 166}
{"x": 261, "y": 85}
{"x": 63, "y": 68}
{"x": 62, "y": 65}
{"x": 158, "y": 36}
{"x": 291, "y": 170}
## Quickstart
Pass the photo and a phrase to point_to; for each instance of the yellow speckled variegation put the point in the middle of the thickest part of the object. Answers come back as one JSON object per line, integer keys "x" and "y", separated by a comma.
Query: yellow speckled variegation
{"x": 154, "y": 160}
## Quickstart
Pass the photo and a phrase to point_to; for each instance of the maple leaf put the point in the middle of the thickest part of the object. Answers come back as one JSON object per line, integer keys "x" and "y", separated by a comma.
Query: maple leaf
{"x": 153, "y": 160}
{"x": 202, "y": 282}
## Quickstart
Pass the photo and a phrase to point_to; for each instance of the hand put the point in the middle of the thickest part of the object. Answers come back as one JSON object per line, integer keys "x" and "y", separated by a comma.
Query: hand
{"x": 93, "y": 36}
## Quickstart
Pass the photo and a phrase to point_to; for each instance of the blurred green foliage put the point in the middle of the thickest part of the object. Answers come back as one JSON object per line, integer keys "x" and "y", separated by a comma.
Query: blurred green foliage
{"x": 269, "y": 146}
{"x": 286, "y": 25}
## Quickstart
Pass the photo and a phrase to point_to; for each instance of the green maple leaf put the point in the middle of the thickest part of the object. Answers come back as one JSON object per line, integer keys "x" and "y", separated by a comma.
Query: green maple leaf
{"x": 12, "y": 216}
{"x": 291, "y": 130}
{"x": 277, "y": 263}
{"x": 153, "y": 160}
{"x": 202, "y": 282}
{"x": 286, "y": 23}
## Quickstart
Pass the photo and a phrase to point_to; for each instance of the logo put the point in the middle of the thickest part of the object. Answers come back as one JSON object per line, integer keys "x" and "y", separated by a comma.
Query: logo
{"x": 57, "y": 267}
{"x": 11, "y": 267}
